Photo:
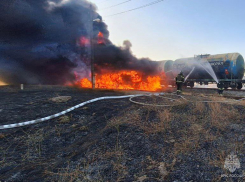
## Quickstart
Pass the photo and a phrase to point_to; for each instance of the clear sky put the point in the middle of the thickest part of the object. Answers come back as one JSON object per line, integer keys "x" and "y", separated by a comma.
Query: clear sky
{"x": 174, "y": 29}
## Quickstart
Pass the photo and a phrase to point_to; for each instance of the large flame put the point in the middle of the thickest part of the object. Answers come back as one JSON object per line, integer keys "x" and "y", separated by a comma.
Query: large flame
{"x": 126, "y": 80}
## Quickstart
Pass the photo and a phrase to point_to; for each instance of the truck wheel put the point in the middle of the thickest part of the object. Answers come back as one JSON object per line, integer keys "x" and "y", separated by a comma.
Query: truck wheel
{"x": 226, "y": 85}
{"x": 191, "y": 84}
{"x": 239, "y": 86}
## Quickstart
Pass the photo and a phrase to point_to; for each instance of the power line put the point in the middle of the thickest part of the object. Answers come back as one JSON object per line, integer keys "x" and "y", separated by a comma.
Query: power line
{"x": 116, "y": 4}
{"x": 149, "y": 4}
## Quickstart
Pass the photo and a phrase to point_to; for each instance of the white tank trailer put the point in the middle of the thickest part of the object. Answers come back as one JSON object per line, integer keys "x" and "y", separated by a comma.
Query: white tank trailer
{"x": 228, "y": 68}
{"x": 165, "y": 70}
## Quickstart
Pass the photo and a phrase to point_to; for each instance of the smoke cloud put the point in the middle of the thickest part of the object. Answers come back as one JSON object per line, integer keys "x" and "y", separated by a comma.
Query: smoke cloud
{"x": 47, "y": 41}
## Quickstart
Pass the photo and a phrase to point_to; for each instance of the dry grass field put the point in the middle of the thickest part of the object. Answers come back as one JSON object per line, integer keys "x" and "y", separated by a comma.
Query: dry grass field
{"x": 117, "y": 140}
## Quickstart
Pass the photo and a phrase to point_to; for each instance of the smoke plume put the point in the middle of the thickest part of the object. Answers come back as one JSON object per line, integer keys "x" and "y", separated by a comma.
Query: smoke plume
{"x": 47, "y": 41}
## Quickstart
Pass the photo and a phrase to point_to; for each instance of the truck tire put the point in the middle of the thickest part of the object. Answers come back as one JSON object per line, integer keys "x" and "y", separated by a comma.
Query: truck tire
{"x": 239, "y": 86}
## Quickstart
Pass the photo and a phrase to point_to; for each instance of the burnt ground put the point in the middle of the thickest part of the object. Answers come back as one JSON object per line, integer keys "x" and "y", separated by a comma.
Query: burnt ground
{"x": 117, "y": 140}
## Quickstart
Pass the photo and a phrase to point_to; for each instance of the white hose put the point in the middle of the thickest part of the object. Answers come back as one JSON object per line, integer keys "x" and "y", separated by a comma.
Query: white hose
{"x": 8, "y": 126}
{"x": 156, "y": 105}
{"x": 145, "y": 104}
{"x": 15, "y": 125}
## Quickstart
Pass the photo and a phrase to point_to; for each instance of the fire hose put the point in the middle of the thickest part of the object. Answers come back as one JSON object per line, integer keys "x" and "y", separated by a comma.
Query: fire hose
{"x": 204, "y": 101}
{"x": 15, "y": 125}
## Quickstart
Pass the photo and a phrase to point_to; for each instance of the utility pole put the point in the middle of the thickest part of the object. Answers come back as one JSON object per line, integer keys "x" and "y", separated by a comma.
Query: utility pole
{"x": 92, "y": 48}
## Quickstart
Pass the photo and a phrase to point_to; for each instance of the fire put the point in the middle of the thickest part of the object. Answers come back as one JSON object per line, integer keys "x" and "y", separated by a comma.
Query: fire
{"x": 85, "y": 83}
{"x": 2, "y": 83}
{"x": 100, "y": 38}
{"x": 126, "y": 80}
{"x": 83, "y": 41}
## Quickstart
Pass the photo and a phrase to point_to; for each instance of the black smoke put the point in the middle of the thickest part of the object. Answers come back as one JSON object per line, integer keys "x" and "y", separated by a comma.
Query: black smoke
{"x": 121, "y": 58}
{"x": 39, "y": 42}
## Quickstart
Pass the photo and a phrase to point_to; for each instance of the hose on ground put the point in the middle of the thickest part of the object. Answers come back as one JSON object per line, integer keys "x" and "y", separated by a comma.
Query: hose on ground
{"x": 157, "y": 105}
{"x": 178, "y": 100}
{"x": 15, "y": 125}
{"x": 145, "y": 104}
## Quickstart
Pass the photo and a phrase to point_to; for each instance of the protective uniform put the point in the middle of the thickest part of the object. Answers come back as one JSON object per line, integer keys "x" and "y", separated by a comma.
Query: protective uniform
{"x": 179, "y": 81}
{"x": 220, "y": 86}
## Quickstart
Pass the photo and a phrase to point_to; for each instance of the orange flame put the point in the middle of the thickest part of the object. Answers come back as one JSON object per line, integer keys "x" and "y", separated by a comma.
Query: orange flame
{"x": 85, "y": 83}
{"x": 126, "y": 80}
{"x": 2, "y": 83}
{"x": 100, "y": 38}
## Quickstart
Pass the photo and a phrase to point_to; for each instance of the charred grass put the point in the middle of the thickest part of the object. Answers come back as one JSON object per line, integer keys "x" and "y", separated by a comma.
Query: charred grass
{"x": 121, "y": 141}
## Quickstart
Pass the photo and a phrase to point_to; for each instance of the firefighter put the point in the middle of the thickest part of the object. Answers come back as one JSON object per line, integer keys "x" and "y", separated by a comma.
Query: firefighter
{"x": 179, "y": 81}
{"x": 220, "y": 86}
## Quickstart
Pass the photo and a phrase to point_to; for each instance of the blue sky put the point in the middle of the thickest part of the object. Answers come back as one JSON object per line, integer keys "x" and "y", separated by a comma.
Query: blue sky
{"x": 174, "y": 29}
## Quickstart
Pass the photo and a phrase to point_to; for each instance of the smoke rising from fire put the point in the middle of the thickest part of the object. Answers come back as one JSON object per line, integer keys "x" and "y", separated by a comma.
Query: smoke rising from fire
{"x": 47, "y": 42}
